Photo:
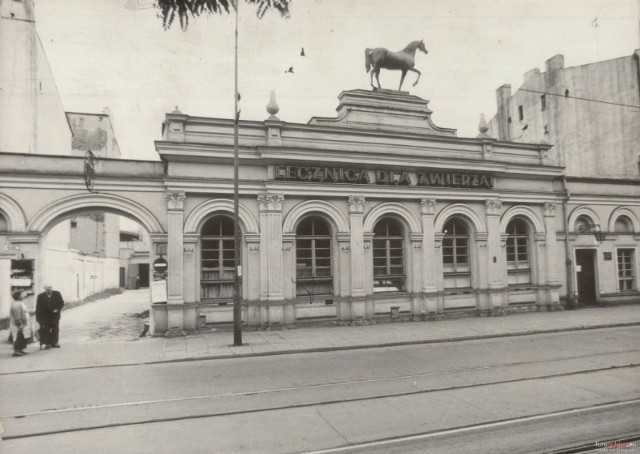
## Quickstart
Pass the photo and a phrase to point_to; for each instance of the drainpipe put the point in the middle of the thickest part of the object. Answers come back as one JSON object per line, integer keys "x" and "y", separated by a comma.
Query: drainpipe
{"x": 571, "y": 304}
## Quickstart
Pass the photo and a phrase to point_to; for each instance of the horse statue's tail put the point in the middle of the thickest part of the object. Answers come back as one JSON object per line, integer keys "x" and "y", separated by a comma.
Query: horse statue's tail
{"x": 367, "y": 59}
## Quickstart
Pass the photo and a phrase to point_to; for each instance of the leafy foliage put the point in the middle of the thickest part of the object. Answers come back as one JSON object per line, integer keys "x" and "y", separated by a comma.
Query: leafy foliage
{"x": 186, "y": 9}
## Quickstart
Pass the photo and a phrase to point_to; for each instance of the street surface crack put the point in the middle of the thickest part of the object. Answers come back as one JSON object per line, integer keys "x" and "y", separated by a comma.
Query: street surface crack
{"x": 332, "y": 426}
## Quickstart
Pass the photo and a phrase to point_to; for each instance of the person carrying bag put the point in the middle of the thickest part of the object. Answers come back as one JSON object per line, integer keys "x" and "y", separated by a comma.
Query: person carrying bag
{"x": 18, "y": 323}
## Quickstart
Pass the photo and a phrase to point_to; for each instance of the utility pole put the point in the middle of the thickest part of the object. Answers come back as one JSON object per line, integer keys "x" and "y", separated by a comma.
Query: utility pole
{"x": 237, "y": 308}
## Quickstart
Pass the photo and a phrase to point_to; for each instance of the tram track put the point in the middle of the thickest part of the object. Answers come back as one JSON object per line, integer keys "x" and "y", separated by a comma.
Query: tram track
{"x": 440, "y": 437}
{"x": 245, "y": 403}
{"x": 387, "y": 379}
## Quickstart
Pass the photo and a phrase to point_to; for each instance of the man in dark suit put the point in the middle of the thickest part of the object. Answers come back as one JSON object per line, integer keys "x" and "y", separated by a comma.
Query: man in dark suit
{"x": 48, "y": 307}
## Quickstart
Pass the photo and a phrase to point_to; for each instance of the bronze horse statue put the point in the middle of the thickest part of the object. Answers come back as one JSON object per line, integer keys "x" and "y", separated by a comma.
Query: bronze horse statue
{"x": 378, "y": 58}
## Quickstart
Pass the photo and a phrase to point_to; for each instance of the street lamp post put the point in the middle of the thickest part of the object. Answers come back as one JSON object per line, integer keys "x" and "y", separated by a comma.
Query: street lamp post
{"x": 237, "y": 309}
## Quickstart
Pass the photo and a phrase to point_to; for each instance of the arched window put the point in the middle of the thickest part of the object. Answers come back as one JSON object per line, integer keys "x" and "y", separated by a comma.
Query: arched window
{"x": 4, "y": 225}
{"x": 455, "y": 255}
{"x": 623, "y": 225}
{"x": 313, "y": 257}
{"x": 518, "y": 265}
{"x": 388, "y": 256}
{"x": 217, "y": 249}
{"x": 583, "y": 224}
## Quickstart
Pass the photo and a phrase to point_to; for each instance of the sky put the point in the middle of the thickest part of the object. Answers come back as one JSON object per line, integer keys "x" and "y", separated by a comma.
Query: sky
{"x": 104, "y": 54}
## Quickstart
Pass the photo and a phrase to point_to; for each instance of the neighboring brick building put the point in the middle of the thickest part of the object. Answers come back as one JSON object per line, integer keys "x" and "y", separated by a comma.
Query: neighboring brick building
{"x": 591, "y": 116}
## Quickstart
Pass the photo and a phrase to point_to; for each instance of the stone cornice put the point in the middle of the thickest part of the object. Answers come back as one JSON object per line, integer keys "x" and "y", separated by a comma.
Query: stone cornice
{"x": 371, "y": 160}
{"x": 355, "y": 131}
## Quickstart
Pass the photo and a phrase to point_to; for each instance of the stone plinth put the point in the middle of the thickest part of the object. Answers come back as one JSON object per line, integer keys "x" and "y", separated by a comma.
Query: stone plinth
{"x": 388, "y": 110}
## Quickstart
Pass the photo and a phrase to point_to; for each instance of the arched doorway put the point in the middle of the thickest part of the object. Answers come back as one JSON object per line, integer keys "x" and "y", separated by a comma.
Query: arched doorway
{"x": 96, "y": 249}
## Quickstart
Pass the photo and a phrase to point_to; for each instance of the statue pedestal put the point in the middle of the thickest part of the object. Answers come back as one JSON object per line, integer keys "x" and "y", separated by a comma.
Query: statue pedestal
{"x": 385, "y": 110}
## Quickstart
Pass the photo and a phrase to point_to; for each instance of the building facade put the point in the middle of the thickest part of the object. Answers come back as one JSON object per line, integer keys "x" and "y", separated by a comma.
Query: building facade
{"x": 372, "y": 215}
{"x": 590, "y": 114}
{"x": 376, "y": 213}
{"x": 80, "y": 256}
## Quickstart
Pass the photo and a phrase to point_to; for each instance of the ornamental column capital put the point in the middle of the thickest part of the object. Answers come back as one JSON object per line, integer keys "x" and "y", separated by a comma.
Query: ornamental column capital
{"x": 356, "y": 204}
{"x": 175, "y": 200}
{"x": 493, "y": 207}
{"x": 549, "y": 210}
{"x": 427, "y": 206}
{"x": 270, "y": 202}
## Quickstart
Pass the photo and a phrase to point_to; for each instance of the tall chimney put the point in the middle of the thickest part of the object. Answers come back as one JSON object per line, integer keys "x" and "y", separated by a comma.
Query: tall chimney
{"x": 503, "y": 94}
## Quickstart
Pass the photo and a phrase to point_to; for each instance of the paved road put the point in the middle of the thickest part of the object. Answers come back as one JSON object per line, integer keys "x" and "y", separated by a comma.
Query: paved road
{"x": 313, "y": 401}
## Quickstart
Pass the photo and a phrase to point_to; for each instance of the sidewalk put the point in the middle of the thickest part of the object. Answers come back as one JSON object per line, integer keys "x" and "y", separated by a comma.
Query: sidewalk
{"x": 80, "y": 353}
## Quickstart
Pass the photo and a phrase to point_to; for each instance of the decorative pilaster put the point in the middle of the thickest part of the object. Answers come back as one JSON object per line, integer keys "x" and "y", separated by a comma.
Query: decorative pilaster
{"x": 343, "y": 279}
{"x": 251, "y": 263}
{"x": 175, "y": 220}
{"x": 553, "y": 297}
{"x": 427, "y": 211}
{"x": 271, "y": 288}
{"x": 175, "y": 299}
{"x": 495, "y": 254}
{"x": 190, "y": 289}
{"x": 356, "y": 214}
{"x": 429, "y": 259}
{"x": 289, "y": 265}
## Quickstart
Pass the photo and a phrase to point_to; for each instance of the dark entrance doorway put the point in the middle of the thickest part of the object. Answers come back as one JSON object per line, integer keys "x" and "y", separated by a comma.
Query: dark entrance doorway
{"x": 123, "y": 281}
{"x": 586, "y": 276}
{"x": 143, "y": 270}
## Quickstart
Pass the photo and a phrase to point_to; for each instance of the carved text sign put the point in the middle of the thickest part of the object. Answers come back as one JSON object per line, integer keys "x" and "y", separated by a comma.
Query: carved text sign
{"x": 426, "y": 177}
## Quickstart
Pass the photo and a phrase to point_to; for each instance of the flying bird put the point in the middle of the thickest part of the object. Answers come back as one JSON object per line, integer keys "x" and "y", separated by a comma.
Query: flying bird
{"x": 302, "y": 52}
{"x": 290, "y": 70}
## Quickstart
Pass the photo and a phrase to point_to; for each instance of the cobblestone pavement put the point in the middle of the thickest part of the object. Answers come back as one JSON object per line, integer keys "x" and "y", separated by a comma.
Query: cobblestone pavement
{"x": 117, "y": 317}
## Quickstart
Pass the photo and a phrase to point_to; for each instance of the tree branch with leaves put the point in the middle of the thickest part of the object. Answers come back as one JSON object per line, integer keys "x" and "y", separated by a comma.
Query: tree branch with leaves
{"x": 184, "y": 10}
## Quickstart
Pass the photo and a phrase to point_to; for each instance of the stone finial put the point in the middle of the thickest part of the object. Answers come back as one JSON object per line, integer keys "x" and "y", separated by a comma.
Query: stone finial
{"x": 272, "y": 107}
{"x": 176, "y": 111}
{"x": 483, "y": 128}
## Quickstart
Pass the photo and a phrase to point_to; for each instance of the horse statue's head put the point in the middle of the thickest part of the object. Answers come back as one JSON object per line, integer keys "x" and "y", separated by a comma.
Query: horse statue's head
{"x": 421, "y": 47}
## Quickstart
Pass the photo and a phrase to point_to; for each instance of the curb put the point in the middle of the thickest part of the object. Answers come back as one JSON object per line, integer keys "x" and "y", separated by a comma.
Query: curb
{"x": 336, "y": 348}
